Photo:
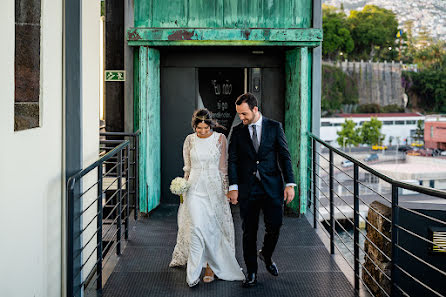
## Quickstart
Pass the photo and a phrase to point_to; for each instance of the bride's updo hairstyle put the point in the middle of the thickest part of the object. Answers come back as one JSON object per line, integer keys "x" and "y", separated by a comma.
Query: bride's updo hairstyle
{"x": 204, "y": 116}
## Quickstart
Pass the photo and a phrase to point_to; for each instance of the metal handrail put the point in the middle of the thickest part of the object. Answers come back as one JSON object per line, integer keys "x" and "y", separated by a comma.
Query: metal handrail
{"x": 400, "y": 184}
{"x": 114, "y": 161}
{"x": 396, "y": 263}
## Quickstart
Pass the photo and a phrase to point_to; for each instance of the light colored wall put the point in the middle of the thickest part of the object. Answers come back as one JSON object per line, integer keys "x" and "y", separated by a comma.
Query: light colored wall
{"x": 31, "y": 168}
{"x": 91, "y": 76}
{"x": 329, "y": 133}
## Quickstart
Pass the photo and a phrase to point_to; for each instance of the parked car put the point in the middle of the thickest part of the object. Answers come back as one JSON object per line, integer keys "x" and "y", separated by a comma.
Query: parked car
{"x": 371, "y": 157}
{"x": 404, "y": 148}
{"x": 346, "y": 163}
{"x": 379, "y": 147}
{"x": 443, "y": 153}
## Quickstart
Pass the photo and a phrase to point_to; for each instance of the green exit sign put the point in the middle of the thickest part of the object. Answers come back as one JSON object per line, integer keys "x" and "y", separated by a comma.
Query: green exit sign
{"x": 114, "y": 75}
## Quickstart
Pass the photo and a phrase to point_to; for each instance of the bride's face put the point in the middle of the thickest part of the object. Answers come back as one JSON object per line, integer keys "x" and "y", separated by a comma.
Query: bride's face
{"x": 203, "y": 129}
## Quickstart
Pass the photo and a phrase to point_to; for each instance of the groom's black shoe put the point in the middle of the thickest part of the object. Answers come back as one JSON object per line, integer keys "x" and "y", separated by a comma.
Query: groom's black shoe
{"x": 250, "y": 280}
{"x": 269, "y": 264}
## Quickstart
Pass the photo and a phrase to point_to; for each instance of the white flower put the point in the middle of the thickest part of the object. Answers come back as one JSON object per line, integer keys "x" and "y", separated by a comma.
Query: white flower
{"x": 179, "y": 186}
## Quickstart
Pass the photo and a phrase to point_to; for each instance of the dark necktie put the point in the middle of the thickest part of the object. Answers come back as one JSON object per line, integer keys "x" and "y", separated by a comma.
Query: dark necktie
{"x": 255, "y": 140}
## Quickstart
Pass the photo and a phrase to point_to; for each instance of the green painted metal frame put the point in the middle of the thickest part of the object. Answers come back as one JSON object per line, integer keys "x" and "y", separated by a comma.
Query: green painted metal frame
{"x": 149, "y": 124}
{"x": 298, "y": 117}
{"x": 223, "y": 37}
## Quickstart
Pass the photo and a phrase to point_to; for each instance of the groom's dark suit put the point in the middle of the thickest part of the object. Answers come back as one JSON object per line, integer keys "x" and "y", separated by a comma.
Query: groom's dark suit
{"x": 254, "y": 194}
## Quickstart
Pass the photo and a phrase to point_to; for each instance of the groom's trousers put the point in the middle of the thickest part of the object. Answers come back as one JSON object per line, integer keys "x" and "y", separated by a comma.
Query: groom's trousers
{"x": 249, "y": 211}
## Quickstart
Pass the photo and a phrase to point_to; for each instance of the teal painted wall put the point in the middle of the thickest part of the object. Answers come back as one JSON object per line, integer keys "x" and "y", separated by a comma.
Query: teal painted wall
{"x": 149, "y": 125}
{"x": 223, "y": 13}
{"x": 297, "y": 118}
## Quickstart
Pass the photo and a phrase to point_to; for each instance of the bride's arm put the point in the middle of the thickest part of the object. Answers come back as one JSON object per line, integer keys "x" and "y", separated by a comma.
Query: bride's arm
{"x": 223, "y": 166}
{"x": 186, "y": 157}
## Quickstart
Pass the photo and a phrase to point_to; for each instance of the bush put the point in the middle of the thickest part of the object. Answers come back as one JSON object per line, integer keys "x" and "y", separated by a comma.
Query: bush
{"x": 338, "y": 88}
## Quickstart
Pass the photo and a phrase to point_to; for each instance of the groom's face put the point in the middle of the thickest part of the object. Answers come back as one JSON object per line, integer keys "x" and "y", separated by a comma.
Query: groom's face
{"x": 246, "y": 114}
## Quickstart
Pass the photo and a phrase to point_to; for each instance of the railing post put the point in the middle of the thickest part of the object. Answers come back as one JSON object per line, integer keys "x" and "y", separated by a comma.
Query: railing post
{"x": 99, "y": 227}
{"x": 332, "y": 221}
{"x": 395, "y": 222}
{"x": 135, "y": 189}
{"x": 70, "y": 238}
{"x": 314, "y": 185}
{"x": 356, "y": 223}
{"x": 137, "y": 176}
{"x": 119, "y": 189}
{"x": 127, "y": 189}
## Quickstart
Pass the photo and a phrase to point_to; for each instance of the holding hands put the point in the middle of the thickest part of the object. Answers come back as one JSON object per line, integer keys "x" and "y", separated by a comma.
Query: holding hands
{"x": 233, "y": 196}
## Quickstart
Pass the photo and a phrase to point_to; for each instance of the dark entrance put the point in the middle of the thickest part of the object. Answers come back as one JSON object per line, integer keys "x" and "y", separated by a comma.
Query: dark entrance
{"x": 196, "y": 79}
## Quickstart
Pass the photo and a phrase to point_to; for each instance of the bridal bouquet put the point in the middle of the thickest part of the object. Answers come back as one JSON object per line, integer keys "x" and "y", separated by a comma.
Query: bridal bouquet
{"x": 179, "y": 186}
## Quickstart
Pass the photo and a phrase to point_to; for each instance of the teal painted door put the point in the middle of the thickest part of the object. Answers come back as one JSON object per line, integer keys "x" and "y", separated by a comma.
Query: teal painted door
{"x": 149, "y": 124}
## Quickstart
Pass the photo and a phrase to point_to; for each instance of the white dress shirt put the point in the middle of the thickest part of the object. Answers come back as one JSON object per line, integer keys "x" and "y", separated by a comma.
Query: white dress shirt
{"x": 258, "y": 127}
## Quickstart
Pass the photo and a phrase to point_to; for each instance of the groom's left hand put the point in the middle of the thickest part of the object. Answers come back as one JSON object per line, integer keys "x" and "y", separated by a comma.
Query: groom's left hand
{"x": 288, "y": 194}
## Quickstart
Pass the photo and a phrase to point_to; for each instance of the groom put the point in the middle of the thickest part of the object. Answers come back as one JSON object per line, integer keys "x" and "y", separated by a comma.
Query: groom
{"x": 256, "y": 149}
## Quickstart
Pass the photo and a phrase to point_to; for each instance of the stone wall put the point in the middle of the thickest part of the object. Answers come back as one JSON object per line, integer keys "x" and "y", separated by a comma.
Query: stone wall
{"x": 375, "y": 216}
{"x": 378, "y": 83}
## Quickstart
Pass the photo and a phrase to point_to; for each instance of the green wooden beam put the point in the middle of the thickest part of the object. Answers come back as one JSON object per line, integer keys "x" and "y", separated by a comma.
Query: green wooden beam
{"x": 297, "y": 119}
{"x": 310, "y": 44}
{"x": 292, "y": 115}
{"x": 175, "y": 36}
{"x": 149, "y": 125}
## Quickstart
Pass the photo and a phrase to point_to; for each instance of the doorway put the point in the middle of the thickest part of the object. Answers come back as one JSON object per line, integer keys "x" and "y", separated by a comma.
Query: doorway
{"x": 212, "y": 80}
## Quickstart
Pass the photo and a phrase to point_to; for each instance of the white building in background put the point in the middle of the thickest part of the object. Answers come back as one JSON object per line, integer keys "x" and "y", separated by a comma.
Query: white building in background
{"x": 401, "y": 125}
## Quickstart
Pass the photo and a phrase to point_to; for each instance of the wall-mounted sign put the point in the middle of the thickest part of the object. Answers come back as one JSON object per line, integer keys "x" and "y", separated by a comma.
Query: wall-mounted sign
{"x": 219, "y": 88}
{"x": 114, "y": 75}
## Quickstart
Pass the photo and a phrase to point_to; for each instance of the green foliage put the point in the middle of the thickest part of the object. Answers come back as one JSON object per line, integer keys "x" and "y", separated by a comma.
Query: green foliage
{"x": 374, "y": 30}
{"x": 370, "y": 132}
{"x": 348, "y": 135}
{"x": 376, "y": 108}
{"x": 430, "y": 86}
{"x": 368, "y": 108}
{"x": 338, "y": 88}
{"x": 419, "y": 133}
{"x": 392, "y": 108}
{"x": 337, "y": 38}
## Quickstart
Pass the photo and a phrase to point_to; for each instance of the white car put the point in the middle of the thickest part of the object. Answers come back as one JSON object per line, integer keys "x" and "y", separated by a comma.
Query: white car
{"x": 347, "y": 163}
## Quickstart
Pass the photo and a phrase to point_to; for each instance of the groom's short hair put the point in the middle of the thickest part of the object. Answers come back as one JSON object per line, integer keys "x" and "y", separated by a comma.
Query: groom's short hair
{"x": 247, "y": 98}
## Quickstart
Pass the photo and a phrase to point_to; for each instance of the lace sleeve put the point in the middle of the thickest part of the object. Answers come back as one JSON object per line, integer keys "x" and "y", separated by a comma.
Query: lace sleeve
{"x": 223, "y": 166}
{"x": 186, "y": 157}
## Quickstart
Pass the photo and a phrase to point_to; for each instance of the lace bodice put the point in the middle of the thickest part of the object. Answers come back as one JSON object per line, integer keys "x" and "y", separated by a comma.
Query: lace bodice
{"x": 206, "y": 156}
{"x": 205, "y": 168}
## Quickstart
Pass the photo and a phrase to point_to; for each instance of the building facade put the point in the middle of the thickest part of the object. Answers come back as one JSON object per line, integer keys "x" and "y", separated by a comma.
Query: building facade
{"x": 396, "y": 126}
{"x": 192, "y": 54}
{"x": 435, "y": 132}
{"x": 33, "y": 150}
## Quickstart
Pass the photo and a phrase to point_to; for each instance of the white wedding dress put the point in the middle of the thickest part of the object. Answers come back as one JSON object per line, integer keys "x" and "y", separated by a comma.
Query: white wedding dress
{"x": 205, "y": 225}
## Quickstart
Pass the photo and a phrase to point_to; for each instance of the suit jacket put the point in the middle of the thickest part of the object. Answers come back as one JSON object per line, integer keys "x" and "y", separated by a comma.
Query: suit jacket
{"x": 272, "y": 160}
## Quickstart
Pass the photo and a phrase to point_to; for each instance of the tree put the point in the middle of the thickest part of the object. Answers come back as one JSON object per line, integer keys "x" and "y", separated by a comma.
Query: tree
{"x": 370, "y": 132}
{"x": 373, "y": 29}
{"x": 337, "y": 38}
{"x": 419, "y": 133}
{"x": 348, "y": 135}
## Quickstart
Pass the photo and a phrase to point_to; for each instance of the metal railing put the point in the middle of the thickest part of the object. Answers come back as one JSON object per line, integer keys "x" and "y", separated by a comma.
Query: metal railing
{"x": 108, "y": 144}
{"x": 403, "y": 251}
{"x": 99, "y": 202}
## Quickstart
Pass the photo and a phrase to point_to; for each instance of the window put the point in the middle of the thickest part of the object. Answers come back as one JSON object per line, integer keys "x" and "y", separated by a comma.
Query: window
{"x": 325, "y": 124}
{"x": 432, "y": 131}
{"x": 27, "y": 64}
{"x": 337, "y": 124}
{"x": 411, "y": 122}
{"x": 399, "y": 122}
{"x": 387, "y": 122}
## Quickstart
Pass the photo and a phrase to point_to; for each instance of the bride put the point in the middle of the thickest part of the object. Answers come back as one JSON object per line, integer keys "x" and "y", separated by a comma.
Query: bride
{"x": 205, "y": 227}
